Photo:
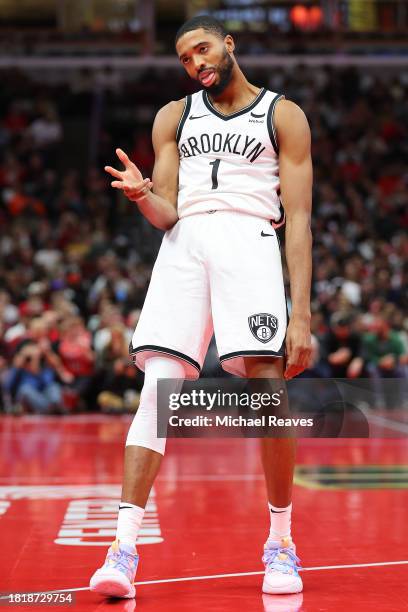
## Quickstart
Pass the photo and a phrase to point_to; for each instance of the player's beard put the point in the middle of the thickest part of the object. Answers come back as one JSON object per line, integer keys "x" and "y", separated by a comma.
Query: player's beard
{"x": 224, "y": 70}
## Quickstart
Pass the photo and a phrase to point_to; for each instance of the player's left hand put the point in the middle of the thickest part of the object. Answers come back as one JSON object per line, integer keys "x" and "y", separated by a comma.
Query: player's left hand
{"x": 298, "y": 347}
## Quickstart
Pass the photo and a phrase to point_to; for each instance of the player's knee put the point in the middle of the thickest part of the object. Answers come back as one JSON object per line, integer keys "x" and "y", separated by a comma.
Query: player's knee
{"x": 143, "y": 430}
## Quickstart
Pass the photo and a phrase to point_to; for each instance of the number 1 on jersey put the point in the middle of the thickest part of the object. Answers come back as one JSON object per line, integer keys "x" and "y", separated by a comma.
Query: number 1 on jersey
{"x": 214, "y": 174}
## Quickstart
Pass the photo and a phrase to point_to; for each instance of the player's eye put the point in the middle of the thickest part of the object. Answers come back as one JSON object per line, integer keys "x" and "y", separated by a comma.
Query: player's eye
{"x": 203, "y": 49}
{"x": 185, "y": 60}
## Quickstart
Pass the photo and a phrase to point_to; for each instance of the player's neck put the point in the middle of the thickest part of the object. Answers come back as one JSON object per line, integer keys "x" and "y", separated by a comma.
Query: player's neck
{"x": 238, "y": 94}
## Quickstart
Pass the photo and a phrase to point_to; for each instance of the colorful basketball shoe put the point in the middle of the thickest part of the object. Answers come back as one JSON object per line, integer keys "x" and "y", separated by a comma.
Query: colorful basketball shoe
{"x": 281, "y": 567}
{"x": 115, "y": 578}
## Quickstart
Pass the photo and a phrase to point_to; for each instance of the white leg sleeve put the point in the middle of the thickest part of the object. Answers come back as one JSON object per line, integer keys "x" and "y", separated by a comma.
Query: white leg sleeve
{"x": 143, "y": 430}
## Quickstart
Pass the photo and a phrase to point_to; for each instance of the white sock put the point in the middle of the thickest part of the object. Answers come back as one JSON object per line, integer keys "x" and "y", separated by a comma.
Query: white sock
{"x": 280, "y": 521}
{"x": 129, "y": 521}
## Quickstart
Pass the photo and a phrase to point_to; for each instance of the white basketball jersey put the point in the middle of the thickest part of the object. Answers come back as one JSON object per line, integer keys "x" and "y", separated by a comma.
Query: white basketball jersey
{"x": 229, "y": 162}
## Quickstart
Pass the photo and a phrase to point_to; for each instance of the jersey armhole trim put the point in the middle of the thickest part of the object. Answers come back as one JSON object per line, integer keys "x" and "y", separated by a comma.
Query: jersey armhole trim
{"x": 282, "y": 217}
{"x": 184, "y": 115}
{"x": 270, "y": 124}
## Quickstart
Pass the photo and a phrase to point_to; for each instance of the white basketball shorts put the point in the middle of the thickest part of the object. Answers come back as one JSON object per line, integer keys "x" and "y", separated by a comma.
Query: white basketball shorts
{"x": 215, "y": 272}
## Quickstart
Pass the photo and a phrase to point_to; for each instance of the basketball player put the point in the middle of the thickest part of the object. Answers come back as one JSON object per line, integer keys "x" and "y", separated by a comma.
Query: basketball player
{"x": 225, "y": 159}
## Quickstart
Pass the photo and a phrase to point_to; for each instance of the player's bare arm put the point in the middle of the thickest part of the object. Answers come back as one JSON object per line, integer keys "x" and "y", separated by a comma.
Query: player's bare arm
{"x": 156, "y": 198}
{"x": 295, "y": 170}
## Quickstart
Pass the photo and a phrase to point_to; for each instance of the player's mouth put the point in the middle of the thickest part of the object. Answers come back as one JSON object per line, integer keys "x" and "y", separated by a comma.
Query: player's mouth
{"x": 207, "y": 77}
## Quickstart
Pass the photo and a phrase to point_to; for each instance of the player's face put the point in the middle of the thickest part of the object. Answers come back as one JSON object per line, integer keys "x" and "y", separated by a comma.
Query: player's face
{"x": 207, "y": 59}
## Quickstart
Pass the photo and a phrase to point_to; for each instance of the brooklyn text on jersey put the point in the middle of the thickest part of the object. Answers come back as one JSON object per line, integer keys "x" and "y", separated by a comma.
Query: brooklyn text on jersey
{"x": 233, "y": 158}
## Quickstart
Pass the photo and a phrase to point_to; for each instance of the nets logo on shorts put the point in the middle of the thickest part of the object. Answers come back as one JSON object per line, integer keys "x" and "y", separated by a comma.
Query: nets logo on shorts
{"x": 263, "y": 326}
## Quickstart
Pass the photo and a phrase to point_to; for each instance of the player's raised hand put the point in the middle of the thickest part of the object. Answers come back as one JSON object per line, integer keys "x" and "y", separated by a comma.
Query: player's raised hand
{"x": 130, "y": 180}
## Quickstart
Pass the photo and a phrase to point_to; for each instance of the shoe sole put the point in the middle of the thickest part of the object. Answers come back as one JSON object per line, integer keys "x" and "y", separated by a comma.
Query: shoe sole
{"x": 110, "y": 587}
{"x": 288, "y": 590}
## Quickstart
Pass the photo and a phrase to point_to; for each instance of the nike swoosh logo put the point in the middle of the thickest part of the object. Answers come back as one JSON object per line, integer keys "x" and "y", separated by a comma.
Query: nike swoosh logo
{"x": 277, "y": 511}
{"x": 121, "y": 506}
{"x": 263, "y": 234}
{"x": 257, "y": 116}
{"x": 199, "y": 116}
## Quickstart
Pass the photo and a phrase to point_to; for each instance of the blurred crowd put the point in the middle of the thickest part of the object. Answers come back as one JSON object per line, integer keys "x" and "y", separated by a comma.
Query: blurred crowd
{"x": 76, "y": 258}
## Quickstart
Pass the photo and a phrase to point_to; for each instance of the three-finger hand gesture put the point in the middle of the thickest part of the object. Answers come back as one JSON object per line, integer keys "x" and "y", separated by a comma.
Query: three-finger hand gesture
{"x": 130, "y": 180}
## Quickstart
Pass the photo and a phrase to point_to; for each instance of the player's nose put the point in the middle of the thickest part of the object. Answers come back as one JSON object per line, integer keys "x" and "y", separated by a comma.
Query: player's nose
{"x": 199, "y": 63}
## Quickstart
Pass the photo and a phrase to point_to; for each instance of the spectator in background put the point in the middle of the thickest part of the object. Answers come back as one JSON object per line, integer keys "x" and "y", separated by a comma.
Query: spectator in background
{"x": 343, "y": 347}
{"x": 3, "y": 351}
{"x": 400, "y": 327}
{"x": 120, "y": 383}
{"x": 30, "y": 310}
{"x": 100, "y": 323}
{"x": 45, "y": 131}
{"x": 39, "y": 332}
{"x": 76, "y": 354}
{"x": 382, "y": 350}
{"x": 32, "y": 382}
{"x": 142, "y": 152}
{"x": 8, "y": 311}
{"x": 16, "y": 120}
{"x": 318, "y": 367}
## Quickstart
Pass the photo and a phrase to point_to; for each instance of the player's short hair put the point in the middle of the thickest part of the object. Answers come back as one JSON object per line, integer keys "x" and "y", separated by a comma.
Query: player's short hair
{"x": 206, "y": 22}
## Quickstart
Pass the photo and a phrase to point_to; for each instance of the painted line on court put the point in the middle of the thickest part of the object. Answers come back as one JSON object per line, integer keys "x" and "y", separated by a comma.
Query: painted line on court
{"x": 234, "y": 575}
{"x": 304, "y": 569}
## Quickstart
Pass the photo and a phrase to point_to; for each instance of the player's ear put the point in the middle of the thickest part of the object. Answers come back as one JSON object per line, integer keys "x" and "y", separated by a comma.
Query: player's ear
{"x": 229, "y": 43}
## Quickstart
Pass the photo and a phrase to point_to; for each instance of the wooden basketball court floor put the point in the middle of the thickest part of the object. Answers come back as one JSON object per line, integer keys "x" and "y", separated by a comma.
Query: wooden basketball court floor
{"x": 206, "y": 521}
